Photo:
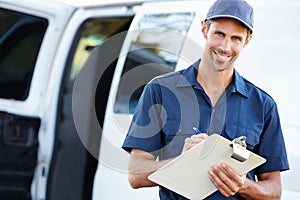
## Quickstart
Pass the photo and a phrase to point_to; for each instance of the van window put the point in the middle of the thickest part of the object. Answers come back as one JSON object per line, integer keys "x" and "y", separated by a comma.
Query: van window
{"x": 154, "y": 50}
{"x": 20, "y": 40}
{"x": 93, "y": 33}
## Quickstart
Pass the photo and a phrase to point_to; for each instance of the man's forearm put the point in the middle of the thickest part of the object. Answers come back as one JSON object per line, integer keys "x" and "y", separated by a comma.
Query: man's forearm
{"x": 141, "y": 165}
{"x": 264, "y": 189}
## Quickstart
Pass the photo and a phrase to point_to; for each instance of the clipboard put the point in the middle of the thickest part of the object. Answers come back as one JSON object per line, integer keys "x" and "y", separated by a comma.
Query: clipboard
{"x": 187, "y": 174}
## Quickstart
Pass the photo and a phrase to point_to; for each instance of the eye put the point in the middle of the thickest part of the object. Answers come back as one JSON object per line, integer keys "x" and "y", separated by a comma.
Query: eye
{"x": 220, "y": 34}
{"x": 236, "y": 38}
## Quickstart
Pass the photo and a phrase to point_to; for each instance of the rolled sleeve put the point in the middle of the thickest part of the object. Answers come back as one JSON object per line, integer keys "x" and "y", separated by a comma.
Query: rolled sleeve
{"x": 144, "y": 131}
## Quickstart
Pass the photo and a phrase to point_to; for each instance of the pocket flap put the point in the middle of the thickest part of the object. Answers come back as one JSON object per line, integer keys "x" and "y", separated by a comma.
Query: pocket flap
{"x": 252, "y": 135}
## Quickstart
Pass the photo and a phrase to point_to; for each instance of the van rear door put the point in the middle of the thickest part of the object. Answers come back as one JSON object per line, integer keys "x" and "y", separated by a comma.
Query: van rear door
{"x": 77, "y": 111}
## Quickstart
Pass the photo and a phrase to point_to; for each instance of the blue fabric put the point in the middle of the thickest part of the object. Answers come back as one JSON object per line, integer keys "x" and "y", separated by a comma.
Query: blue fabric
{"x": 237, "y": 9}
{"x": 173, "y": 103}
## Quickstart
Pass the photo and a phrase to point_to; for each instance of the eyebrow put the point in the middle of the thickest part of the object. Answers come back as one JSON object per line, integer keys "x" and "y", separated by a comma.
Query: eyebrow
{"x": 237, "y": 35}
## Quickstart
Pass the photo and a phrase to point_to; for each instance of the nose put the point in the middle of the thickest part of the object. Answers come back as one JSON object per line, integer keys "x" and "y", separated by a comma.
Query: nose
{"x": 226, "y": 45}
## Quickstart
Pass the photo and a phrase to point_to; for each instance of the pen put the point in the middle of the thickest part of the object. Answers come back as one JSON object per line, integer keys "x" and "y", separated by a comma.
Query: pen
{"x": 197, "y": 131}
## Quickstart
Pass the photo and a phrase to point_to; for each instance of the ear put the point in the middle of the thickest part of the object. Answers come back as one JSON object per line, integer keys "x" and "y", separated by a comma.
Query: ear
{"x": 248, "y": 40}
{"x": 203, "y": 29}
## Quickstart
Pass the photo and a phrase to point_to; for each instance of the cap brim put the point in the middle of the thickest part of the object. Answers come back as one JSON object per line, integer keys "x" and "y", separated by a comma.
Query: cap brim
{"x": 232, "y": 17}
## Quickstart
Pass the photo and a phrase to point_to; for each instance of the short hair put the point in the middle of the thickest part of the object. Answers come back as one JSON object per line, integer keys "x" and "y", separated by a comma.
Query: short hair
{"x": 209, "y": 22}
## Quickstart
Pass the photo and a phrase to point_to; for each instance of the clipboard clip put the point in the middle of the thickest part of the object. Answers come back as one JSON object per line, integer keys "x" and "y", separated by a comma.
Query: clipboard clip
{"x": 239, "y": 151}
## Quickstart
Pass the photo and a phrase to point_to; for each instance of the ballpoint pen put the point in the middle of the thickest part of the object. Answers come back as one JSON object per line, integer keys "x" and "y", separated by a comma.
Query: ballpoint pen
{"x": 197, "y": 131}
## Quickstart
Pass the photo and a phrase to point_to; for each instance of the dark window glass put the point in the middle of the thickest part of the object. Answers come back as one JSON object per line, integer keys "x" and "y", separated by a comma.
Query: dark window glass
{"x": 154, "y": 50}
{"x": 20, "y": 40}
{"x": 93, "y": 33}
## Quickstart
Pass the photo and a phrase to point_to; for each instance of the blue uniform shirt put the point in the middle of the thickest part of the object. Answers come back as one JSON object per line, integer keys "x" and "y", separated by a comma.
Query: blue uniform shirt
{"x": 173, "y": 103}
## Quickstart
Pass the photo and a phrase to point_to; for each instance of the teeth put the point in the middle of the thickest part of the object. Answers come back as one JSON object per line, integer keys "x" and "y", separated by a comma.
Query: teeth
{"x": 222, "y": 56}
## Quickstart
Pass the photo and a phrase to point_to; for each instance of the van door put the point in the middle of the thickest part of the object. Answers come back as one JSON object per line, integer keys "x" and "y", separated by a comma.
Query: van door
{"x": 80, "y": 112}
{"x": 22, "y": 37}
{"x": 154, "y": 44}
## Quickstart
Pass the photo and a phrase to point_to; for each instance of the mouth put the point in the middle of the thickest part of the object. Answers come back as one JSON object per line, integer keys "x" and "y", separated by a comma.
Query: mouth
{"x": 221, "y": 57}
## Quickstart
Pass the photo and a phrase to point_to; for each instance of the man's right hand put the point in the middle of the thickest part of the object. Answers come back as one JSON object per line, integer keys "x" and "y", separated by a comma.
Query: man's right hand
{"x": 193, "y": 140}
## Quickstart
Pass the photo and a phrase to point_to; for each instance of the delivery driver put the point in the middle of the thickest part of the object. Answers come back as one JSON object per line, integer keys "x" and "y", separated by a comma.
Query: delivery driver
{"x": 161, "y": 128}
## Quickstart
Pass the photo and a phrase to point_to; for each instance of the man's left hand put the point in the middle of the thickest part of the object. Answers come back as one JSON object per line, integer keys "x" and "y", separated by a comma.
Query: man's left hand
{"x": 226, "y": 179}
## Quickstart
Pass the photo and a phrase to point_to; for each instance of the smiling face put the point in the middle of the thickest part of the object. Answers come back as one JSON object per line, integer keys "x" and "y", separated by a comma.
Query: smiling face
{"x": 225, "y": 39}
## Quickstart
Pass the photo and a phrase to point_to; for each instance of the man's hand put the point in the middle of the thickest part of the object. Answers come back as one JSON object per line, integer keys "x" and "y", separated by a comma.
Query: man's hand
{"x": 226, "y": 180}
{"x": 193, "y": 140}
{"x": 229, "y": 182}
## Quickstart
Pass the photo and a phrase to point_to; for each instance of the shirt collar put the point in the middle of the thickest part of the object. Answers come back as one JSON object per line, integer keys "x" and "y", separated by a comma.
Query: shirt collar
{"x": 188, "y": 79}
{"x": 188, "y": 76}
{"x": 239, "y": 84}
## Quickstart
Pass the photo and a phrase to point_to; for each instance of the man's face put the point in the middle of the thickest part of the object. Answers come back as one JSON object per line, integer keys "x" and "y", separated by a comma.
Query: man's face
{"x": 225, "y": 39}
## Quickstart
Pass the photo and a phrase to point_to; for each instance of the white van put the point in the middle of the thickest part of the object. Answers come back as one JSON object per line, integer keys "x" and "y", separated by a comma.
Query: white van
{"x": 71, "y": 73}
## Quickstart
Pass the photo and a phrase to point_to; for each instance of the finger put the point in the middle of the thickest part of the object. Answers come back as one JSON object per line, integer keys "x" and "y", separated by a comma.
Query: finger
{"x": 223, "y": 192}
{"x": 235, "y": 177}
{"x": 193, "y": 140}
{"x": 201, "y": 136}
{"x": 220, "y": 180}
{"x": 196, "y": 139}
{"x": 224, "y": 181}
{"x": 188, "y": 144}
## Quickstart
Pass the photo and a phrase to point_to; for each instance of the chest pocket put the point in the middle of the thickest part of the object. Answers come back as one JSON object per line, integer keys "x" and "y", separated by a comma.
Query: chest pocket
{"x": 174, "y": 134}
{"x": 252, "y": 135}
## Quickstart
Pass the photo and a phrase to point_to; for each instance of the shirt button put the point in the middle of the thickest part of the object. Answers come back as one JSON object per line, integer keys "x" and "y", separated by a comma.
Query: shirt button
{"x": 213, "y": 110}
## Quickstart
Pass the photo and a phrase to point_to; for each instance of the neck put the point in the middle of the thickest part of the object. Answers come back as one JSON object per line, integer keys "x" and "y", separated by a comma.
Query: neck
{"x": 214, "y": 82}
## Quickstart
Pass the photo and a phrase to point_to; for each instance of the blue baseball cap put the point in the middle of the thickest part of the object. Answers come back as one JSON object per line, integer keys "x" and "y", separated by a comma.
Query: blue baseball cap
{"x": 235, "y": 9}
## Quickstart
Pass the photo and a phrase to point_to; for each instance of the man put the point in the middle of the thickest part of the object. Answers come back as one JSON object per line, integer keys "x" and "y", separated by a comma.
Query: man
{"x": 210, "y": 95}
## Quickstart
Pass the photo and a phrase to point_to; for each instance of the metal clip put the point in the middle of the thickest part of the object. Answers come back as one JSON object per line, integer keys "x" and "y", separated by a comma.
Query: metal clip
{"x": 239, "y": 149}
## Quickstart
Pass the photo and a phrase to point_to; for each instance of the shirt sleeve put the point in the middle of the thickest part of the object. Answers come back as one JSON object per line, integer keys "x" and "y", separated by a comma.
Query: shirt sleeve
{"x": 144, "y": 131}
{"x": 272, "y": 145}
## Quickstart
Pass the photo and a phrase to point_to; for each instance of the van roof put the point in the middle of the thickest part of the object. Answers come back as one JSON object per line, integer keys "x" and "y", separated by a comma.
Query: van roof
{"x": 102, "y": 3}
